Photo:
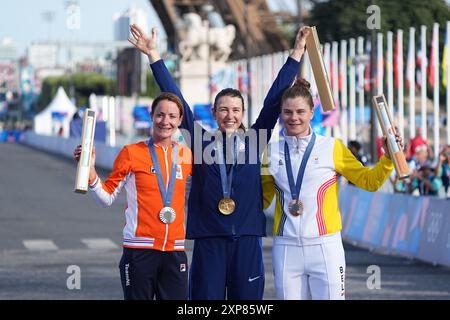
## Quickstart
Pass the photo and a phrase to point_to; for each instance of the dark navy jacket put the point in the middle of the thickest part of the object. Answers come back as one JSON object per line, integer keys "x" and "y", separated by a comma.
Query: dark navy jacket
{"x": 204, "y": 218}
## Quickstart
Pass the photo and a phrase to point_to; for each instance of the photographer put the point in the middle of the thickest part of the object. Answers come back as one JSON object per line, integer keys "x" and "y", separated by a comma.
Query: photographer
{"x": 443, "y": 169}
{"x": 425, "y": 182}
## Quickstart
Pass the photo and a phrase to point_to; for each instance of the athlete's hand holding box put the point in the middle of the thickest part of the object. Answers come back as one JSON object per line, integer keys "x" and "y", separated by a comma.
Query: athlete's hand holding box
{"x": 387, "y": 125}
{"x": 87, "y": 143}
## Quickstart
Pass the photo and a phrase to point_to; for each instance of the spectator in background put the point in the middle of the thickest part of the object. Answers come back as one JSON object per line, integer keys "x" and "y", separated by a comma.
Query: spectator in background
{"x": 416, "y": 142}
{"x": 356, "y": 148}
{"x": 399, "y": 185}
{"x": 380, "y": 150}
{"x": 443, "y": 169}
{"x": 425, "y": 182}
{"x": 419, "y": 158}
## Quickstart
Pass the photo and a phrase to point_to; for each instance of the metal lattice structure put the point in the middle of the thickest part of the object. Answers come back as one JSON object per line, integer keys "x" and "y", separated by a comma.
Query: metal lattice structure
{"x": 257, "y": 31}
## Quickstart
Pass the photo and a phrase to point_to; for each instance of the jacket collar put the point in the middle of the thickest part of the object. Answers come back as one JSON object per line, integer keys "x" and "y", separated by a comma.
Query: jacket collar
{"x": 297, "y": 142}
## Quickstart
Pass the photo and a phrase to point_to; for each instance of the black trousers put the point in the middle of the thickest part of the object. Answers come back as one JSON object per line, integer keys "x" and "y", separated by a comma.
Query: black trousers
{"x": 148, "y": 274}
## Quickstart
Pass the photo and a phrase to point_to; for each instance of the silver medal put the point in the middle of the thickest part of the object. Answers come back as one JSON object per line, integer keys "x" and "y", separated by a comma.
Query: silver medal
{"x": 167, "y": 215}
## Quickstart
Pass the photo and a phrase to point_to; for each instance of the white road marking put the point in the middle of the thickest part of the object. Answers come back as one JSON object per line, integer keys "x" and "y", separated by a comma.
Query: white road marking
{"x": 99, "y": 243}
{"x": 40, "y": 245}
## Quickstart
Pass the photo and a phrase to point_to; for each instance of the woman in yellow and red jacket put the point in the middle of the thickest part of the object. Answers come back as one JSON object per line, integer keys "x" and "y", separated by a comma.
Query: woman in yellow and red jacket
{"x": 300, "y": 190}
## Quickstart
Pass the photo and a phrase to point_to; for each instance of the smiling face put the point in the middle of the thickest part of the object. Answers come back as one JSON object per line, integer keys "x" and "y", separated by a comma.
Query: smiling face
{"x": 166, "y": 120}
{"x": 228, "y": 113}
{"x": 296, "y": 114}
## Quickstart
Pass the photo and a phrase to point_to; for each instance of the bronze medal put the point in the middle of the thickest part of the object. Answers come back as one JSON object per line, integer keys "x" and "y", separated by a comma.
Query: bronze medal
{"x": 227, "y": 206}
{"x": 296, "y": 207}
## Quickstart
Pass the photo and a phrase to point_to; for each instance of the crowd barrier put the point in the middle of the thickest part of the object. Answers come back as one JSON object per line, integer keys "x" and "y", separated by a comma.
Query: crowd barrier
{"x": 415, "y": 227}
{"x": 405, "y": 225}
{"x": 104, "y": 154}
{"x": 11, "y": 136}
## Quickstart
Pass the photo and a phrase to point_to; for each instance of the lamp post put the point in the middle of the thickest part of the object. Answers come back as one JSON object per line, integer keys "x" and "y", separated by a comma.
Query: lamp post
{"x": 73, "y": 24}
{"x": 248, "y": 55}
{"x": 207, "y": 8}
{"x": 300, "y": 12}
{"x": 49, "y": 17}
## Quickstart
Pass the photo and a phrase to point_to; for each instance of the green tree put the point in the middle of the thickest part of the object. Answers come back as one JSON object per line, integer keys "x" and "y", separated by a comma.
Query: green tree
{"x": 343, "y": 19}
{"x": 83, "y": 85}
{"x": 152, "y": 89}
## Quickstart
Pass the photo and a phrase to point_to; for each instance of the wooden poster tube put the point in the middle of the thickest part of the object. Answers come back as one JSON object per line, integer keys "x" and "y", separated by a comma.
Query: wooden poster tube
{"x": 387, "y": 125}
{"x": 87, "y": 143}
{"x": 320, "y": 73}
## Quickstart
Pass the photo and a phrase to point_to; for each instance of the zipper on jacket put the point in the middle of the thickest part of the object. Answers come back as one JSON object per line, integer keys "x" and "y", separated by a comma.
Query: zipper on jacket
{"x": 167, "y": 183}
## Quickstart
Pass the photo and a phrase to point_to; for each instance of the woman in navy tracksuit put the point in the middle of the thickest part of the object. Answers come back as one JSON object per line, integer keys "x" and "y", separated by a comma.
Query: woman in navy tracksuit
{"x": 227, "y": 260}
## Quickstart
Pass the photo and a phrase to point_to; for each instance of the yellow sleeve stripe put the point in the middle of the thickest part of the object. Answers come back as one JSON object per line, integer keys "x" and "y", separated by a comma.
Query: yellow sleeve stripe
{"x": 370, "y": 179}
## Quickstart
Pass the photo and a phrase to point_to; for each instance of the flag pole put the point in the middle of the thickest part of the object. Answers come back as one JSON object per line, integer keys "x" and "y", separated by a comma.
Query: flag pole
{"x": 380, "y": 73}
{"x": 401, "y": 107}
{"x": 343, "y": 105}
{"x": 352, "y": 134}
{"x": 436, "y": 88}
{"x": 412, "y": 83}
{"x": 389, "y": 70}
{"x": 447, "y": 59}
{"x": 423, "y": 87}
{"x": 373, "y": 123}
{"x": 361, "y": 82}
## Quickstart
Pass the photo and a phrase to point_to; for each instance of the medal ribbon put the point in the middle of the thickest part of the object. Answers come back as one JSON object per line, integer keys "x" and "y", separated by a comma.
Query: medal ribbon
{"x": 166, "y": 195}
{"x": 226, "y": 180}
{"x": 295, "y": 188}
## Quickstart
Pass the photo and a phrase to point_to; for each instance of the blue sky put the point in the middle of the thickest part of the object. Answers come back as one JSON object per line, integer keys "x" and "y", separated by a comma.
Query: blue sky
{"x": 22, "y": 20}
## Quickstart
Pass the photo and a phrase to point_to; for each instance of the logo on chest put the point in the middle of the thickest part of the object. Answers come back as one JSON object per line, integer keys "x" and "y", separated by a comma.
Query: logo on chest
{"x": 179, "y": 174}
{"x": 315, "y": 159}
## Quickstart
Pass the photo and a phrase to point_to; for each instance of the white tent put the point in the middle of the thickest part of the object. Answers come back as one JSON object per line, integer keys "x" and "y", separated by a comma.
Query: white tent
{"x": 55, "y": 118}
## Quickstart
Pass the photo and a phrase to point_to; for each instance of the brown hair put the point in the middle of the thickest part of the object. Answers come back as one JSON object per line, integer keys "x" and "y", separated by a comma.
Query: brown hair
{"x": 169, "y": 97}
{"x": 230, "y": 92}
{"x": 301, "y": 88}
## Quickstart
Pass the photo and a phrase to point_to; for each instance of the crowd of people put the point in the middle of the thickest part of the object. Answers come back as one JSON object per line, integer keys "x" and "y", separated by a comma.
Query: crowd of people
{"x": 429, "y": 176}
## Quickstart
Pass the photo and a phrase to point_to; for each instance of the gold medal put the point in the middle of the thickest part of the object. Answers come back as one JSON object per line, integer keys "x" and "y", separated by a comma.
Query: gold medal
{"x": 295, "y": 207}
{"x": 227, "y": 206}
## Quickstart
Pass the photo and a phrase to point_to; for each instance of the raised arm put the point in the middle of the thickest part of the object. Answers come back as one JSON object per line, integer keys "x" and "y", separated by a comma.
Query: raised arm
{"x": 271, "y": 109}
{"x": 166, "y": 83}
{"x": 370, "y": 179}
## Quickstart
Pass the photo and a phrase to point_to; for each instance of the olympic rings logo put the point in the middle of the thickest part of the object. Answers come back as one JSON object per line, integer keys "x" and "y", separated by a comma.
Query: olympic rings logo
{"x": 434, "y": 227}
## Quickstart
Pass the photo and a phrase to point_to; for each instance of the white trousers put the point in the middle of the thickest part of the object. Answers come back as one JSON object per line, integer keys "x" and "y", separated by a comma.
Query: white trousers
{"x": 310, "y": 271}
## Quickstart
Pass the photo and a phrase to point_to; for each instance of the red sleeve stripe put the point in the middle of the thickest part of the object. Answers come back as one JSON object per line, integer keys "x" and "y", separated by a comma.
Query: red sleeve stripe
{"x": 320, "y": 198}
{"x": 94, "y": 184}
